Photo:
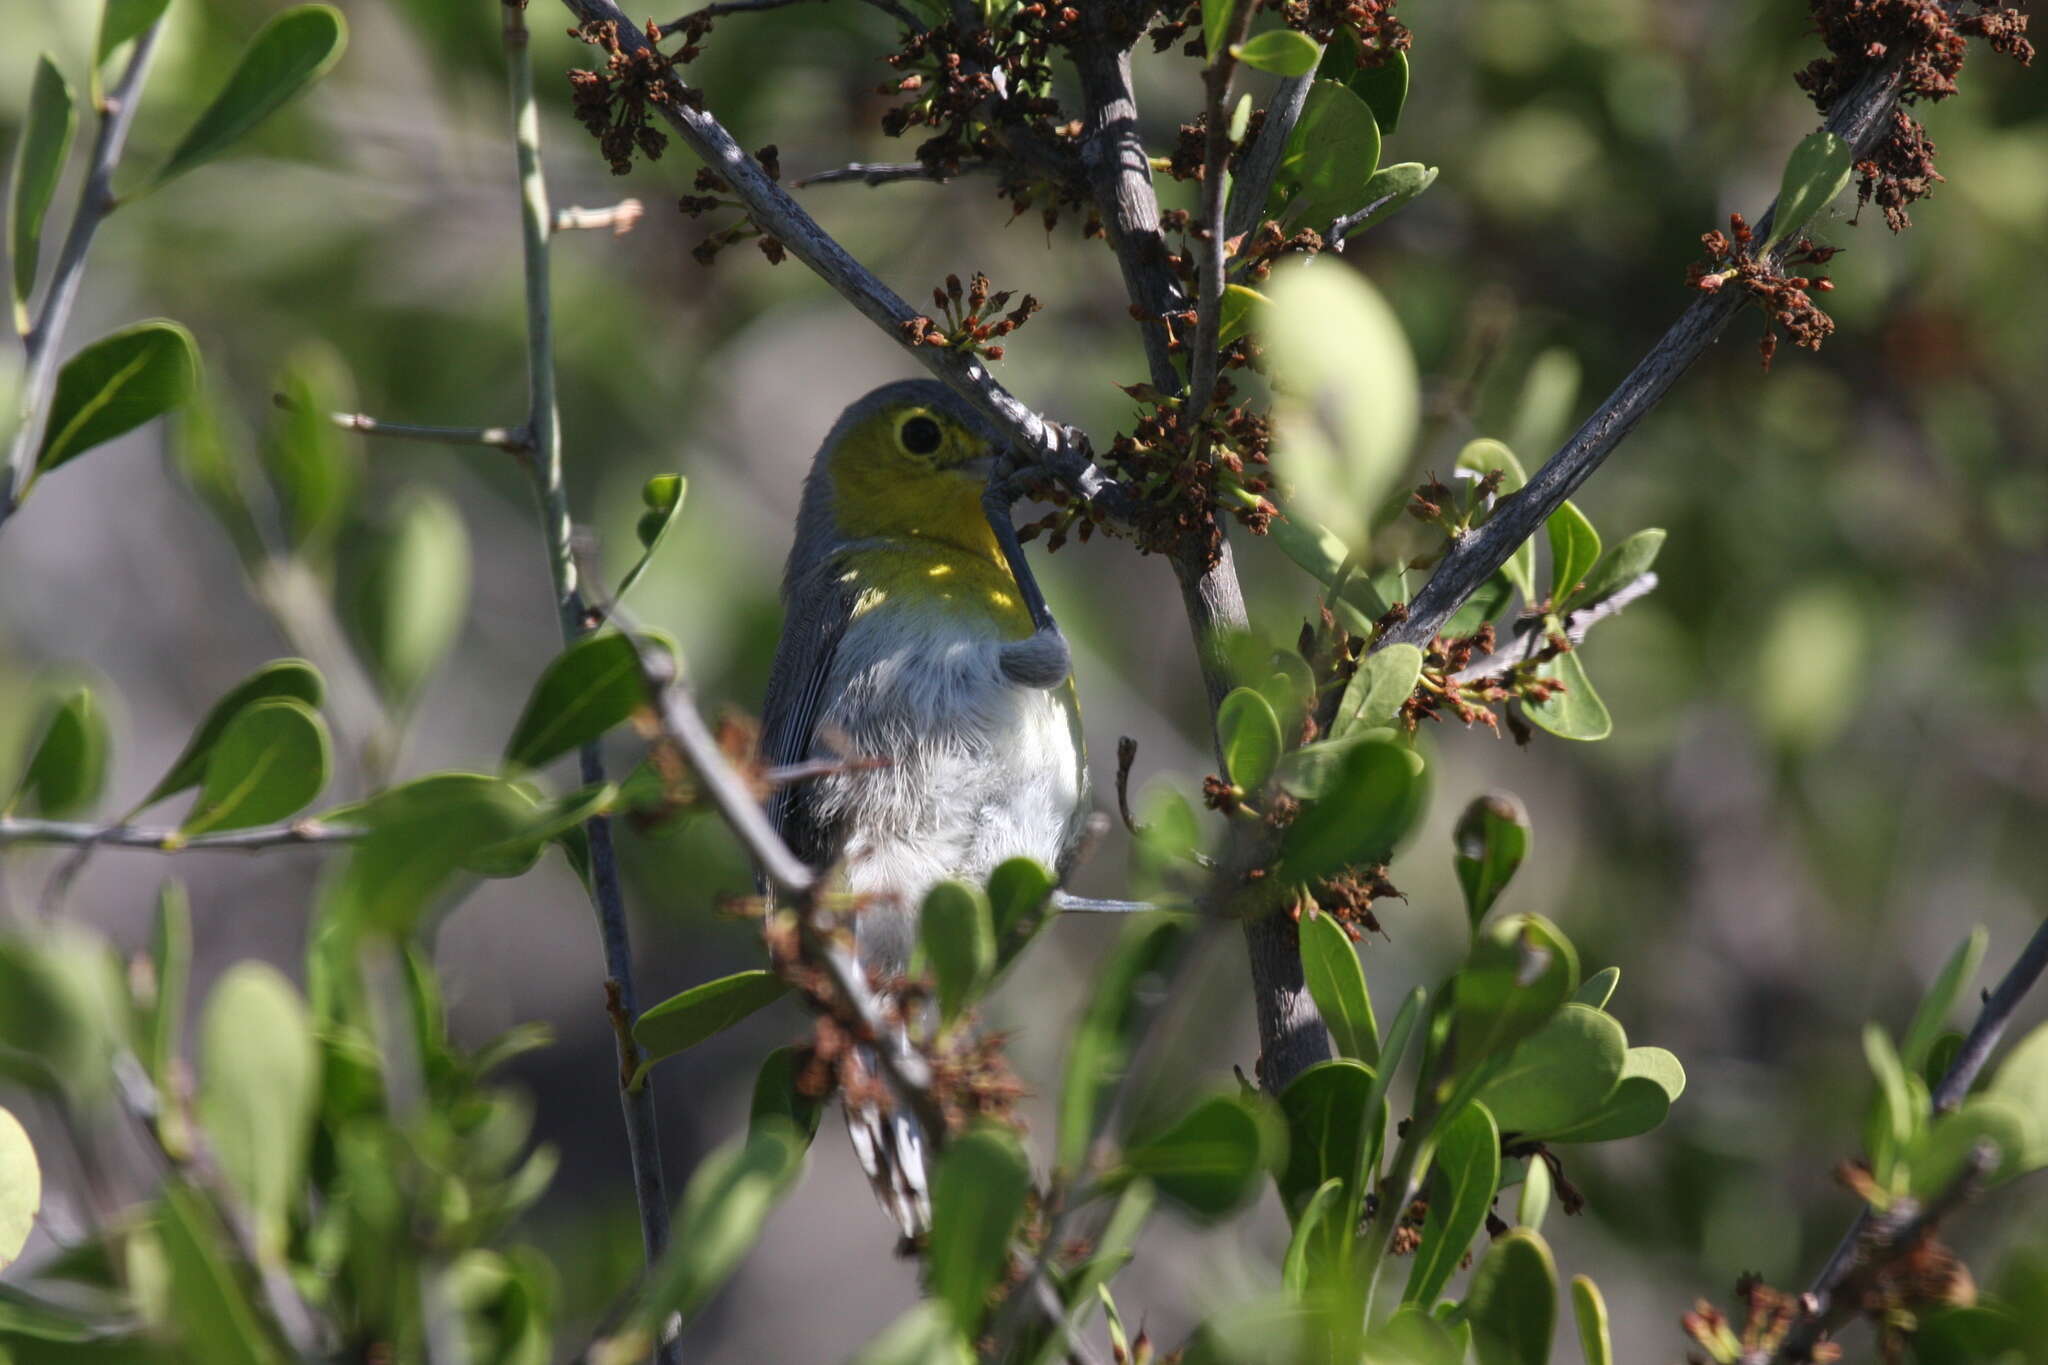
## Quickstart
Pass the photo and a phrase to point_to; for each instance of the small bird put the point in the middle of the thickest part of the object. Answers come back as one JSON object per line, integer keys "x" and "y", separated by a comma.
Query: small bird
{"x": 908, "y": 640}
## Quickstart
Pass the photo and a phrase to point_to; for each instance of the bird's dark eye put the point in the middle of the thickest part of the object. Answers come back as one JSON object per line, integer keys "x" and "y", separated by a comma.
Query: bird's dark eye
{"x": 921, "y": 436}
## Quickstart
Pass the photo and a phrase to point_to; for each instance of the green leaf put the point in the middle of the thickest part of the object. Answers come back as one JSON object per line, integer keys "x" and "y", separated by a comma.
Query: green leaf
{"x": 1560, "y": 1074}
{"x": 63, "y": 1006}
{"x": 1331, "y": 1131}
{"x": 1482, "y": 457}
{"x": 1512, "y": 1301}
{"x": 411, "y": 592}
{"x": 561, "y": 819}
{"x": 417, "y": 838}
{"x": 314, "y": 465}
{"x": 2023, "y": 1078}
{"x": 956, "y": 929}
{"x": 777, "y": 1096}
{"x": 1346, "y": 409}
{"x": 1651, "y": 1080}
{"x": 1311, "y": 1233}
{"x": 1896, "y": 1117}
{"x": 1329, "y": 159}
{"x": 1373, "y": 799}
{"x": 1211, "y": 1160}
{"x": 1939, "y": 1151}
{"x": 979, "y": 1188}
{"x": 1942, "y": 994}
{"x": 1215, "y": 24}
{"x": 1235, "y": 310}
{"x": 1486, "y": 603}
{"x": 39, "y": 154}
{"x": 271, "y": 761}
{"x": 685, "y": 1020}
{"x": 259, "y": 1094}
{"x": 1389, "y": 191}
{"x": 663, "y": 495}
{"x": 724, "y": 1206}
{"x": 1249, "y": 733}
{"x": 1381, "y": 685}
{"x": 1534, "y": 1202}
{"x": 1413, "y": 1337}
{"x": 208, "y": 1301}
{"x": 1101, "y": 1048}
{"x": 1491, "y": 839}
{"x": 1574, "y": 548}
{"x": 923, "y": 1335}
{"x": 68, "y": 769}
{"x": 163, "y": 1023}
{"x": 287, "y": 54}
{"x": 1336, "y": 982}
{"x": 1281, "y": 51}
{"x": 1966, "y": 1336}
{"x": 21, "y": 1187}
{"x": 1384, "y": 88}
{"x": 1576, "y": 712}
{"x": 1619, "y": 567}
{"x": 1311, "y": 545}
{"x": 115, "y": 385}
{"x": 1019, "y": 897}
{"x": 1816, "y": 172}
{"x": 293, "y": 678}
{"x": 1598, "y": 988}
{"x": 122, "y": 20}
{"x": 587, "y": 689}
{"x": 1467, "y": 1170}
{"x": 1596, "y": 1347}
{"x": 1521, "y": 971}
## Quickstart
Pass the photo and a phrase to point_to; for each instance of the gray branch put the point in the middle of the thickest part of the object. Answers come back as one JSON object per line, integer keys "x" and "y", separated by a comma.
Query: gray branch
{"x": 1529, "y": 637}
{"x": 1262, "y": 159}
{"x": 165, "y": 839}
{"x": 1861, "y": 119}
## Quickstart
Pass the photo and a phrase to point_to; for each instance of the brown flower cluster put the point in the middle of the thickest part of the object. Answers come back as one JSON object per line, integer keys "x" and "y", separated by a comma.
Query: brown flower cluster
{"x": 1929, "y": 41}
{"x": 1371, "y": 22}
{"x": 971, "y": 320}
{"x": 965, "y": 81}
{"x": 712, "y": 191}
{"x": 1733, "y": 262}
{"x": 613, "y": 104}
{"x": 1768, "y": 1315}
{"x": 1348, "y": 897}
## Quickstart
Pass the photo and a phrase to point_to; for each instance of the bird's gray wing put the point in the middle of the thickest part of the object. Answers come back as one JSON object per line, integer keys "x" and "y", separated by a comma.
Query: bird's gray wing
{"x": 818, "y": 609}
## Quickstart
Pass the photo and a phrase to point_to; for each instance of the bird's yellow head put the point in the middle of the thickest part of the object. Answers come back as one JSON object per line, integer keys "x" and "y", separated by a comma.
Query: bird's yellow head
{"x": 910, "y": 460}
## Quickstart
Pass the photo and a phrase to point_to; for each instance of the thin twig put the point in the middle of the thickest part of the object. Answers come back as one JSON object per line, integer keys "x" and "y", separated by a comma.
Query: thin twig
{"x": 544, "y": 431}
{"x": 1861, "y": 118}
{"x": 165, "y": 839}
{"x": 889, "y": 173}
{"x": 510, "y": 439}
{"x": 95, "y": 201}
{"x": 620, "y": 218}
{"x": 1215, "y": 163}
{"x": 723, "y": 8}
{"x": 1529, "y": 635}
{"x": 1254, "y": 181}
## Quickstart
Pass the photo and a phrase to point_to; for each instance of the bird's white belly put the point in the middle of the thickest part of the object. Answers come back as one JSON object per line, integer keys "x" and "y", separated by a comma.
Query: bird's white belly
{"x": 976, "y": 769}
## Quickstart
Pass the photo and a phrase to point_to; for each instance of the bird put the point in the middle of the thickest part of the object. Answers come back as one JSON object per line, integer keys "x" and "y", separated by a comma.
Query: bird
{"x": 908, "y": 641}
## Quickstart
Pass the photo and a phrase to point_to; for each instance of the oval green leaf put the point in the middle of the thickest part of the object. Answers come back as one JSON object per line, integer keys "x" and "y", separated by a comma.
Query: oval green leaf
{"x": 1816, "y": 172}
{"x": 1388, "y": 192}
{"x": 286, "y": 55}
{"x": 272, "y": 760}
{"x": 1461, "y": 1192}
{"x": 1482, "y": 457}
{"x": 979, "y": 1188}
{"x": 1019, "y": 898}
{"x": 1378, "y": 689}
{"x": 1576, "y": 712}
{"x": 1619, "y": 567}
{"x": 411, "y": 592}
{"x": 1249, "y": 733}
{"x": 115, "y": 385}
{"x": 1521, "y": 971}
{"x": 1384, "y": 88}
{"x": 663, "y": 495}
{"x": 1512, "y": 1301}
{"x": 293, "y": 678}
{"x": 259, "y": 1093}
{"x": 1491, "y": 839}
{"x": 1560, "y": 1074}
{"x": 1596, "y": 1347}
{"x": 1336, "y": 981}
{"x": 685, "y": 1020}
{"x": 1281, "y": 51}
{"x": 778, "y": 1095}
{"x": 68, "y": 769}
{"x": 1373, "y": 799}
{"x": 956, "y": 929}
{"x": 1574, "y": 549}
{"x": 21, "y": 1187}
{"x": 1329, "y": 159}
{"x": 1211, "y": 1161}
{"x": 1597, "y": 989}
{"x": 1330, "y": 1129}
{"x": 587, "y": 689}
{"x": 122, "y": 20}
{"x": 39, "y": 154}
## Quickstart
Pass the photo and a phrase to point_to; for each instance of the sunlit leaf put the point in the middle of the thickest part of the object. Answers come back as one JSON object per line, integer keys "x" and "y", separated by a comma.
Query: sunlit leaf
{"x": 1511, "y": 1301}
{"x": 1651, "y": 1080}
{"x": 1336, "y": 981}
{"x": 1461, "y": 1191}
{"x": 411, "y": 591}
{"x": 21, "y": 1187}
{"x": 1619, "y": 567}
{"x": 1373, "y": 798}
{"x": 115, "y": 385}
{"x": 1574, "y": 548}
{"x": 663, "y": 496}
{"x": 1815, "y": 173}
{"x": 587, "y": 689}
{"x": 1482, "y": 457}
{"x": 68, "y": 769}
{"x": 1216, "y": 23}
{"x": 259, "y": 1090}
{"x": 287, "y": 54}
{"x": 1281, "y": 51}
{"x": 38, "y": 160}
{"x": 1590, "y": 1310}
{"x": 683, "y": 1021}
{"x": 1560, "y": 1074}
{"x": 1329, "y": 159}
{"x": 272, "y": 759}
{"x": 979, "y": 1187}
{"x": 1491, "y": 839}
{"x": 1388, "y": 192}
{"x": 1211, "y": 1160}
{"x": 1249, "y": 734}
{"x": 1521, "y": 971}
{"x": 1575, "y": 711}
{"x": 956, "y": 929}
{"x": 293, "y": 678}
{"x": 1378, "y": 689}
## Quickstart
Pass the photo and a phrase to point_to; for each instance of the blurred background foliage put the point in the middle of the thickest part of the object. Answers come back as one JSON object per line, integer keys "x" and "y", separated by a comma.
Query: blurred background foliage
{"x": 1829, "y": 741}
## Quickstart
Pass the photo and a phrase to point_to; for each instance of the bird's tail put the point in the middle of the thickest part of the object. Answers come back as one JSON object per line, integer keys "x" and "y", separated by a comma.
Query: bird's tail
{"x": 890, "y": 1145}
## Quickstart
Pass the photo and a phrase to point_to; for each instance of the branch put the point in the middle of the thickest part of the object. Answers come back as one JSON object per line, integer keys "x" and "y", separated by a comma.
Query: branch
{"x": 1529, "y": 639}
{"x": 1261, "y": 163}
{"x": 888, "y": 173}
{"x": 1037, "y": 439}
{"x": 95, "y": 201}
{"x": 1215, "y": 170}
{"x": 512, "y": 440}
{"x": 165, "y": 839}
{"x": 620, "y": 218}
{"x": 543, "y": 431}
{"x": 1861, "y": 119}
{"x": 723, "y": 8}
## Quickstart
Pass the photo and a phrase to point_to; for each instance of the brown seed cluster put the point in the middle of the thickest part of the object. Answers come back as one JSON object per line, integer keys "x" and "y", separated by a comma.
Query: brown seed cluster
{"x": 971, "y": 318}
{"x": 613, "y": 104}
{"x": 1734, "y": 262}
{"x": 1929, "y": 40}
{"x": 1348, "y": 897}
{"x": 1370, "y": 22}
{"x": 970, "y": 84}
